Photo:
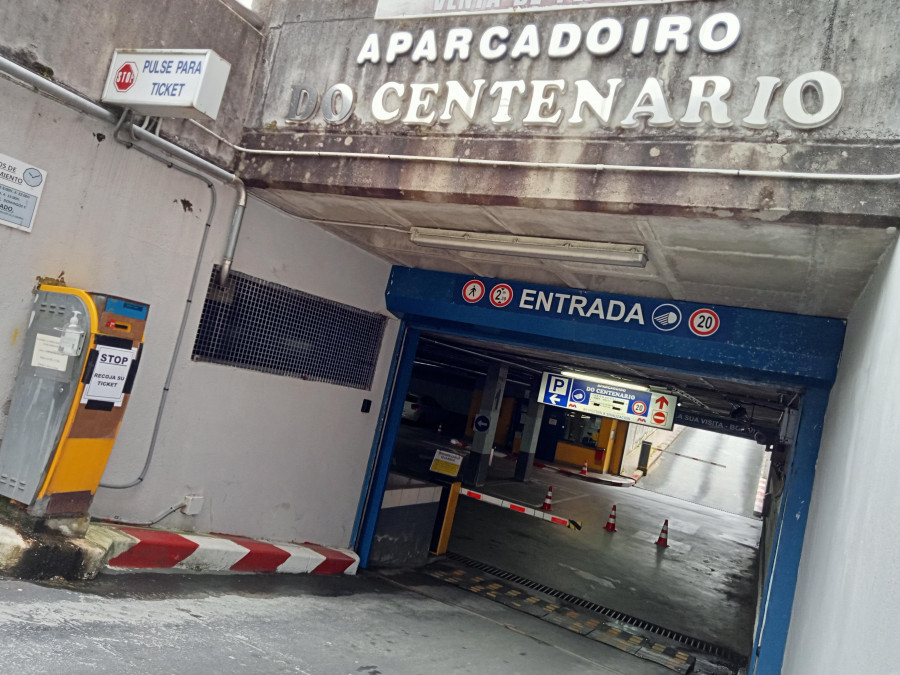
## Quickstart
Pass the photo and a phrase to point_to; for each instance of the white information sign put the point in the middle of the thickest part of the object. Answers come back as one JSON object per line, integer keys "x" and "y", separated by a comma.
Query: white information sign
{"x": 652, "y": 409}
{"x": 167, "y": 83}
{"x": 46, "y": 353}
{"x": 21, "y": 185}
{"x": 107, "y": 382}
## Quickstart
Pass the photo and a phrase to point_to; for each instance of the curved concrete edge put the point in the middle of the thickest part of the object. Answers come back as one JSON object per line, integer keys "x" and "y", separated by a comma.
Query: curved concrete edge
{"x": 99, "y": 545}
{"x": 12, "y": 548}
{"x": 591, "y": 477}
{"x": 44, "y": 555}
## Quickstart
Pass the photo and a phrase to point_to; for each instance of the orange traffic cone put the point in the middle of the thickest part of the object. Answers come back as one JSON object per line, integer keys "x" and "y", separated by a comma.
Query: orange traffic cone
{"x": 611, "y": 522}
{"x": 584, "y": 469}
{"x": 664, "y": 535}
{"x": 547, "y": 506}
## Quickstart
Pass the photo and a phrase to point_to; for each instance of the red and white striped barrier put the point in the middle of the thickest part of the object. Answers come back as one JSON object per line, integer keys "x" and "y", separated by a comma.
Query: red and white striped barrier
{"x": 518, "y": 508}
{"x": 144, "y": 549}
{"x": 696, "y": 459}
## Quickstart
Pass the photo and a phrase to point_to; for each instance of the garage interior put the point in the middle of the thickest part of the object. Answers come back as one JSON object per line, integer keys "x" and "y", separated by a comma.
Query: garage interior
{"x": 703, "y": 588}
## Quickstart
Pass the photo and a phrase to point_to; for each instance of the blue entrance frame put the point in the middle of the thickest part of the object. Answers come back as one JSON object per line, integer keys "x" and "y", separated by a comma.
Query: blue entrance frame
{"x": 768, "y": 348}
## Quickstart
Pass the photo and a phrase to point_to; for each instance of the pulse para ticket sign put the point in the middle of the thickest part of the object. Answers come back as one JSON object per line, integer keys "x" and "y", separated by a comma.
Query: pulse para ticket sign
{"x": 648, "y": 408}
{"x": 20, "y": 191}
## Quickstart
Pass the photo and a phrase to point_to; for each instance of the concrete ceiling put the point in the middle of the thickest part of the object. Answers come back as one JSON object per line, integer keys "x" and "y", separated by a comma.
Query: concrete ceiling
{"x": 798, "y": 268}
{"x": 705, "y": 395}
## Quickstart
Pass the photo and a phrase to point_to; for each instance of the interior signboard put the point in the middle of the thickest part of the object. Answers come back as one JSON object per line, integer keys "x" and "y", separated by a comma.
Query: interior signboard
{"x": 649, "y": 408}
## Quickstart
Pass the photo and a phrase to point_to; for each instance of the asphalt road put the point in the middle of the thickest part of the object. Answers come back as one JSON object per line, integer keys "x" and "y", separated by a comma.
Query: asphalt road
{"x": 703, "y": 585}
{"x": 248, "y": 625}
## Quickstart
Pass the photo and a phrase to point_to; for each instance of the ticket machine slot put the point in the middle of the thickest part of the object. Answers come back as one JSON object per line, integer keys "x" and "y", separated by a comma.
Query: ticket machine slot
{"x": 81, "y": 356}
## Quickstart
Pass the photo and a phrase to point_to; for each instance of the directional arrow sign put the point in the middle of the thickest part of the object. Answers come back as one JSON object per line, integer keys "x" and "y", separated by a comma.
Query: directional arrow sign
{"x": 607, "y": 400}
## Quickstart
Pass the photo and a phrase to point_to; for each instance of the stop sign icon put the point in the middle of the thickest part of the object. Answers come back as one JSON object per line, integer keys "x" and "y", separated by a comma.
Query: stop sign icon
{"x": 126, "y": 76}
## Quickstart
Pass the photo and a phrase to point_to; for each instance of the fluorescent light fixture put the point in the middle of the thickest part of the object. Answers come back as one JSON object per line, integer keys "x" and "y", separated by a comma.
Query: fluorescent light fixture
{"x": 600, "y": 380}
{"x": 629, "y": 255}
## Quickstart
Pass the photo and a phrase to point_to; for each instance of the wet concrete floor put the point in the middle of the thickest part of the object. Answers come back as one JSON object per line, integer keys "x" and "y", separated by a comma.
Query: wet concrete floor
{"x": 261, "y": 625}
{"x": 702, "y": 585}
{"x": 707, "y": 468}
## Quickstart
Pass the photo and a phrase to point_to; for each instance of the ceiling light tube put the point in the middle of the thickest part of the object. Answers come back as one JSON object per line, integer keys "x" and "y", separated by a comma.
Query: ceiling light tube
{"x": 600, "y": 380}
{"x": 604, "y": 253}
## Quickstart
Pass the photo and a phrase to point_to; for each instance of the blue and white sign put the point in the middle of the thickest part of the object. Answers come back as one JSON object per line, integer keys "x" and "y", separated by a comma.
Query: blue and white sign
{"x": 666, "y": 317}
{"x": 167, "y": 82}
{"x": 482, "y": 423}
{"x": 586, "y": 307}
{"x": 652, "y": 409}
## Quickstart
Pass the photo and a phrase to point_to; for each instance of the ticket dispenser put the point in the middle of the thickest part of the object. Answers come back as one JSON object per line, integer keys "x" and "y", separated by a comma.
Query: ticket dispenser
{"x": 80, "y": 358}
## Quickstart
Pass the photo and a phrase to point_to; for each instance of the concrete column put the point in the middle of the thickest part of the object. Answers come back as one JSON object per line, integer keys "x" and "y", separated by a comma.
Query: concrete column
{"x": 644, "y": 460}
{"x": 610, "y": 442}
{"x": 491, "y": 398}
{"x": 534, "y": 415}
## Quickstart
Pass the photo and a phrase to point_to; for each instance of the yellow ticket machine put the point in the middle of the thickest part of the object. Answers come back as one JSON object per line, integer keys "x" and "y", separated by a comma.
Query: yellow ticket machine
{"x": 81, "y": 354}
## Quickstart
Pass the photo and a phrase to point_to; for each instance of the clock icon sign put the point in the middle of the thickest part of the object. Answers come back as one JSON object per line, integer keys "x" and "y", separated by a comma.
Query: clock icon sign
{"x": 32, "y": 177}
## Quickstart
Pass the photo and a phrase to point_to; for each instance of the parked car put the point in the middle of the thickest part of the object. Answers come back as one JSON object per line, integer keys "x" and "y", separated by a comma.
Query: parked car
{"x": 422, "y": 410}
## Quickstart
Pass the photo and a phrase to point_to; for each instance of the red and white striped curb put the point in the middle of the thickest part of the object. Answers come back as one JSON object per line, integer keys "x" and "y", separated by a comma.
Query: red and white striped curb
{"x": 143, "y": 549}
{"x": 518, "y": 508}
{"x": 591, "y": 477}
{"x": 761, "y": 487}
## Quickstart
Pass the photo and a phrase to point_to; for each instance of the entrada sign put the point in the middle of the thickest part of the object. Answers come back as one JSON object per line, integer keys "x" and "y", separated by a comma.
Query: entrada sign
{"x": 682, "y": 319}
{"x": 601, "y": 101}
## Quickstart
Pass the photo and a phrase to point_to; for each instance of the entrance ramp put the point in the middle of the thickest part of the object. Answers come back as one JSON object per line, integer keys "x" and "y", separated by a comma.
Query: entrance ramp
{"x": 642, "y": 639}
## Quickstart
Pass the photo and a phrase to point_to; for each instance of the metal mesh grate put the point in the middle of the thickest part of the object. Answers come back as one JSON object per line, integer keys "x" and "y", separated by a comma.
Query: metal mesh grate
{"x": 263, "y": 326}
{"x": 691, "y": 643}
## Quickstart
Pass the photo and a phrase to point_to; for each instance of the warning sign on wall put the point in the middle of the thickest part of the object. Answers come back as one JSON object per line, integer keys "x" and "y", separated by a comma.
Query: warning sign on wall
{"x": 107, "y": 382}
{"x": 21, "y": 185}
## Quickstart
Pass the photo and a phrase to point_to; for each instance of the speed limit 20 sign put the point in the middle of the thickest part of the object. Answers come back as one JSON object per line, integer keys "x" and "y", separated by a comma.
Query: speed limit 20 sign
{"x": 704, "y": 322}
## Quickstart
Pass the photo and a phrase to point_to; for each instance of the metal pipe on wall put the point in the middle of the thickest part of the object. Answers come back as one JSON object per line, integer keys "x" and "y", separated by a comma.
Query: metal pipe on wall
{"x": 206, "y": 171}
{"x": 623, "y": 168}
{"x": 85, "y": 105}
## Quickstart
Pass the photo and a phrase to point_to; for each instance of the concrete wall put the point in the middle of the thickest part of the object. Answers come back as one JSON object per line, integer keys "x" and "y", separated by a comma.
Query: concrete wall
{"x": 274, "y": 457}
{"x": 849, "y": 585}
{"x": 73, "y": 43}
{"x": 851, "y": 39}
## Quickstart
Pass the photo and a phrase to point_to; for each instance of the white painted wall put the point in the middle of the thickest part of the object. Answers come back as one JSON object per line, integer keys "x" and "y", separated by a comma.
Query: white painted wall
{"x": 848, "y": 589}
{"x": 660, "y": 439}
{"x": 274, "y": 457}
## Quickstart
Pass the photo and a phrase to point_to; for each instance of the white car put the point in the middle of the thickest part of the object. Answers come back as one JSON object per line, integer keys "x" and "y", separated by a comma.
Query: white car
{"x": 421, "y": 409}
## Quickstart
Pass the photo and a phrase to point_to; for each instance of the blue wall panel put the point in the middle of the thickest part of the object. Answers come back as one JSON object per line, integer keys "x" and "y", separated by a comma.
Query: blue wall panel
{"x": 759, "y": 345}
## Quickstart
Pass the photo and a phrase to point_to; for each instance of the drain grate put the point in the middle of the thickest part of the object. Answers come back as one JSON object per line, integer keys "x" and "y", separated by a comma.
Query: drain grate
{"x": 692, "y": 643}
